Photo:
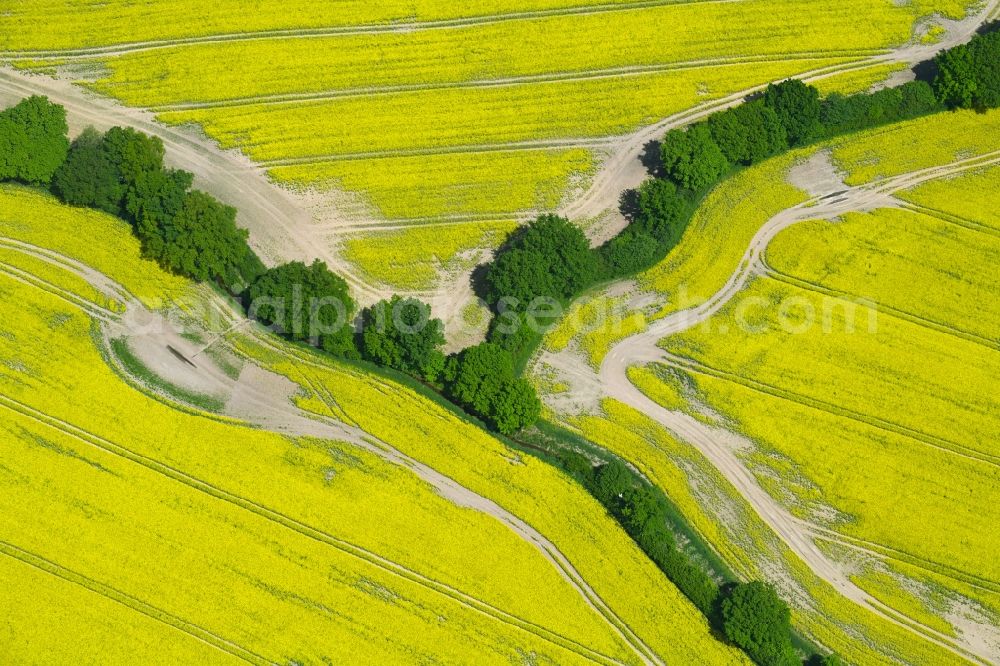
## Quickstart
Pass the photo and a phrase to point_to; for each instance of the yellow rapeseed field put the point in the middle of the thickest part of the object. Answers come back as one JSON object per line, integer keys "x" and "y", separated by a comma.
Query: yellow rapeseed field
{"x": 549, "y": 501}
{"x": 633, "y": 38}
{"x": 917, "y": 144}
{"x": 489, "y": 182}
{"x": 413, "y": 258}
{"x": 970, "y": 197}
{"x": 723, "y": 517}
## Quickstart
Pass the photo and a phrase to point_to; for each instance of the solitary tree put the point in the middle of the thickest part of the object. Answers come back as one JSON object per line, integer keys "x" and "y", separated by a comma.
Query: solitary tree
{"x": 399, "y": 333}
{"x": 33, "y": 141}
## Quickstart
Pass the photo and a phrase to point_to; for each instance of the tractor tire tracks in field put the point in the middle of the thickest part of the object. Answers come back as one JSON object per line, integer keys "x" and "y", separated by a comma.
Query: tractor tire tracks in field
{"x": 643, "y": 348}
{"x": 132, "y": 603}
{"x": 370, "y": 29}
{"x": 281, "y": 416}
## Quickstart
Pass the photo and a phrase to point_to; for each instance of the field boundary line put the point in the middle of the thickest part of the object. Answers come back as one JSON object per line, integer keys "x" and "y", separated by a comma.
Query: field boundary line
{"x": 500, "y": 82}
{"x": 529, "y": 534}
{"x": 345, "y": 547}
{"x": 951, "y": 219}
{"x": 112, "y": 290}
{"x": 358, "y": 29}
{"x": 88, "y": 308}
{"x": 132, "y": 603}
{"x": 916, "y": 320}
{"x": 513, "y": 146}
{"x": 887, "y": 552}
{"x": 836, "y": 410}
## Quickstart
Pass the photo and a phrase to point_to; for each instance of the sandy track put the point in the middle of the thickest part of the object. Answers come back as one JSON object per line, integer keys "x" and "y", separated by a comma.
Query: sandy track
{"x": 280, "y": 228}
{"x": 150, "y": 336}
{"x": 642, "y": 349}
{"x": 623, "y": 170}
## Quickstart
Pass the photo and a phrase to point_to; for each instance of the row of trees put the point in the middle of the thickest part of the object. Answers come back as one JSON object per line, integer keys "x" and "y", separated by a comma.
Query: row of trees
{"x": 310, "y": 304}
{"x": 190, "y": 233}
{"x": 187, "y": 231}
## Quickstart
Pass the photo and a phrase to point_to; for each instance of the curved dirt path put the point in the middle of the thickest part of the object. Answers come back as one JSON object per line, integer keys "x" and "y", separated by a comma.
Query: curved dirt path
{"x": 280, "y": 228}
{"x": 262, "y": 403}
{"x": 642, "y": 348}
{"x": 624, "y": 170}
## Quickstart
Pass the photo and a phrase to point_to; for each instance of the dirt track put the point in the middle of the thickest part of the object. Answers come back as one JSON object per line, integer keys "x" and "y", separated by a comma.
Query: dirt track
{"x": 264, "y": 400}
{"x": 281, "y": 229}
{"x": 624, "y": 170}
{"x": 642, "y": 349}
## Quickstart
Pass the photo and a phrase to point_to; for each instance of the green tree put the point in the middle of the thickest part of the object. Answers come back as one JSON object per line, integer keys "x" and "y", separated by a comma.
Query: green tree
{"x": 611, "y": 481}
{"x": 550, "y": 257}
{"x": 154, "y": 197}
{"x": 515, "y": 406}
{"x": 307, "y": 303}
{"x": 485, "y": 384}
{"x": 969, "y": 75}
{"x": 692, "y": 158}
{"x": 661, "y": 209}
{"x": 399, "y": 333}
{"x": 89, "y": 176}
{"x": 481, "y": 372}
{"x": 115, "y": 172}
{"x": 202, "y": 242}
{"x": 629, "y": 252}
{"x": 749, "y": 133}
{"x": 797, "y": 106}
{"x": 757, "y": 620}
{"x": 33, "y": 141}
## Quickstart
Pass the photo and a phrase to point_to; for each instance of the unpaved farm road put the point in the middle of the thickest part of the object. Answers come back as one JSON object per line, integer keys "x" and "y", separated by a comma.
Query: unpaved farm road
{"x": 641, "y": 349}
{"x": 624, "y": 170}
{"x": 264, "y": 400}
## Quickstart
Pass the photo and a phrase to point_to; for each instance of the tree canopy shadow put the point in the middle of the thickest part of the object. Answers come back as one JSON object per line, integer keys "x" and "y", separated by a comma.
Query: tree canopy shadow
{"x": 650, "y": 158}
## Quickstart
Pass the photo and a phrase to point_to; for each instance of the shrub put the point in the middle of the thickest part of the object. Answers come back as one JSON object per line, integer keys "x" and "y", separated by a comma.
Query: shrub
{"x": 840, "y": 114}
